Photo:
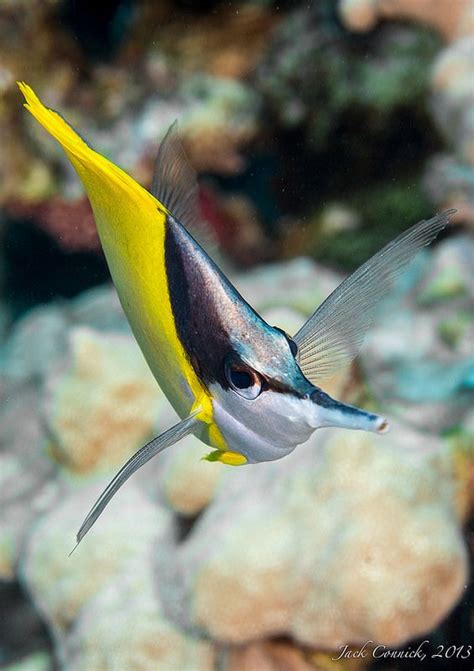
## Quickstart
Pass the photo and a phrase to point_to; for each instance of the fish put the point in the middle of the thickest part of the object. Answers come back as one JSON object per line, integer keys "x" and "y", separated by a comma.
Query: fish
{"x": 245, "y": 388}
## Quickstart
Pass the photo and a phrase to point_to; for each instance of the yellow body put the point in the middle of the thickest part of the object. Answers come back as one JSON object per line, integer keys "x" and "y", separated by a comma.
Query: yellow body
{"x": 131, "y": 225}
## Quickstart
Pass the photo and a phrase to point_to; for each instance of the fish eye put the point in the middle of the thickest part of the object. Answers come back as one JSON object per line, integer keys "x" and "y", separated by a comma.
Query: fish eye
{"x": 245, "y": 381}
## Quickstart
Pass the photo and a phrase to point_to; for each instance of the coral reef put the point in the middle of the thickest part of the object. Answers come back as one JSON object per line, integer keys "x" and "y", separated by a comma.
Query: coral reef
{"x": 317, "y": 79}
{"x": 436, "y": 371}
{"x": 213, "y": 562}
{"x": 319, "y": 128}
{"x": 449, "y": 179}
{"x": 449, "y": 19}
{"x": 123, "y": 112}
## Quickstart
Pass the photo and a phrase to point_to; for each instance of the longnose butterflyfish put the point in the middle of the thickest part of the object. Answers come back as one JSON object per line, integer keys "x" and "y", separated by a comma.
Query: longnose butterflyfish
{"x": 245, "y": 388}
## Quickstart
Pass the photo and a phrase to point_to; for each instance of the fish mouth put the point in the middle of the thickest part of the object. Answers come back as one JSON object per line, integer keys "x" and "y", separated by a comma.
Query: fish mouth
{"x": 330, "y": 412}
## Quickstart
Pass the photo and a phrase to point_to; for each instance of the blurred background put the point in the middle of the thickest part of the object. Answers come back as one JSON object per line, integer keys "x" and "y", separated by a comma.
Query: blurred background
{"x": 318, "y": 131}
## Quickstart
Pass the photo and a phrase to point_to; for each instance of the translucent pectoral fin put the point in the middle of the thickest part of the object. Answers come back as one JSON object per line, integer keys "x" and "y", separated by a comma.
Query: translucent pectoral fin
{"x": 332, "y": 336}
{"x": 147, "y": 452}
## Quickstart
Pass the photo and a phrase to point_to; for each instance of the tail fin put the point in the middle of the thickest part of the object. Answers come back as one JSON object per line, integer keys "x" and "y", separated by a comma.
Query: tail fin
{"x": 55, "y": 124}
{"x": 81, "y": 155}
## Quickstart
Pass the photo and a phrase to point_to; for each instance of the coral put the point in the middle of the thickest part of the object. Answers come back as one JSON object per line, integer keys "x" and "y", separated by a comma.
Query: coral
{"x": 449, "y": 180}
{"x": 431, "y": 369}
{"x": 202, "y": 45}
{"x": 210, "y": 561}
{"x": 70, "y": 222}
{"x": 38, "y": 662}
{"x": 267, "y": 656}
{"x": 104, "y": 633}
{"x": 53, "y": 61}
{"x": 327, "y": 567}
{"x": 87, "y": 399}
{"x": 124, "y": 112}
{"x": 319, "y": 77}
{"x": 450, "y": 19}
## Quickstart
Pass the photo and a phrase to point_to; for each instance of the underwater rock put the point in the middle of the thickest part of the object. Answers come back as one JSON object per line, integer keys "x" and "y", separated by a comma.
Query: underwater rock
{"x": 46, "y": 327}
{"x": 188, "y": 483}
{"x": 323, "y": 78}
{"x": 207, "y": 557}
{"x": 446, "y": 180}
{"x": 448, "y": 18}
{"x": 39, "y": 661}
{"x": 267, "y": 656}
{"x": 316, "y": 558}
{"x": 297, "y": 283}
{"x": 99, "y": 309}
{"x": 452, "y": 102}
{"x": 100, "y": 411}
{"x": 27, "y": 483}
{"x": 86, "y": 606}
{"x": 420, "y": 347}
{"x": 449, "y": 180}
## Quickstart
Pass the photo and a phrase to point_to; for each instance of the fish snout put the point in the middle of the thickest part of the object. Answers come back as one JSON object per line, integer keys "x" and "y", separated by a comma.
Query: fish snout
{"x": 330, "y": 412}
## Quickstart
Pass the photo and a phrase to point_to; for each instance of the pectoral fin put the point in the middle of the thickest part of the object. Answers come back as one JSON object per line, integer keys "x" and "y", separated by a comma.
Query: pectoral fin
{"x": 144, "y": 454}
{"x": 334, "y": 333}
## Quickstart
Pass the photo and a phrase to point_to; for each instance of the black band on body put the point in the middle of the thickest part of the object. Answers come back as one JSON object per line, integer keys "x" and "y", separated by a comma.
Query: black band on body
{"x": 195, "y": 312}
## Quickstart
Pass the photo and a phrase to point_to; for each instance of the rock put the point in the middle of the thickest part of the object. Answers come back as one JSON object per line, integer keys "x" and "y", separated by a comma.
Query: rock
{"x": 103, "y": 403}
{"x": 297, "y": 283}
{"x": 100, "y": 602}
{"x": 449, "y": 20}
{"x": 414, "y": 369}
{"x": 212, "y": 561}
{"x": 46, "y": 327}
{"x": 100, "y": 309}
{"x": 39, "y": 661}
{"x": 188, "y": 483}
{"x": 62, "y": 584}
{"x": 451, "y": 272}
{"x": 316, "y": 557}
{"x": 267, "y": 656}
{"x": 25, "y": 473}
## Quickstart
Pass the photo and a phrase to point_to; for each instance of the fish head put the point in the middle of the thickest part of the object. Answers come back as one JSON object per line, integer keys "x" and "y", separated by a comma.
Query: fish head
{"x": 263, "y": 404}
